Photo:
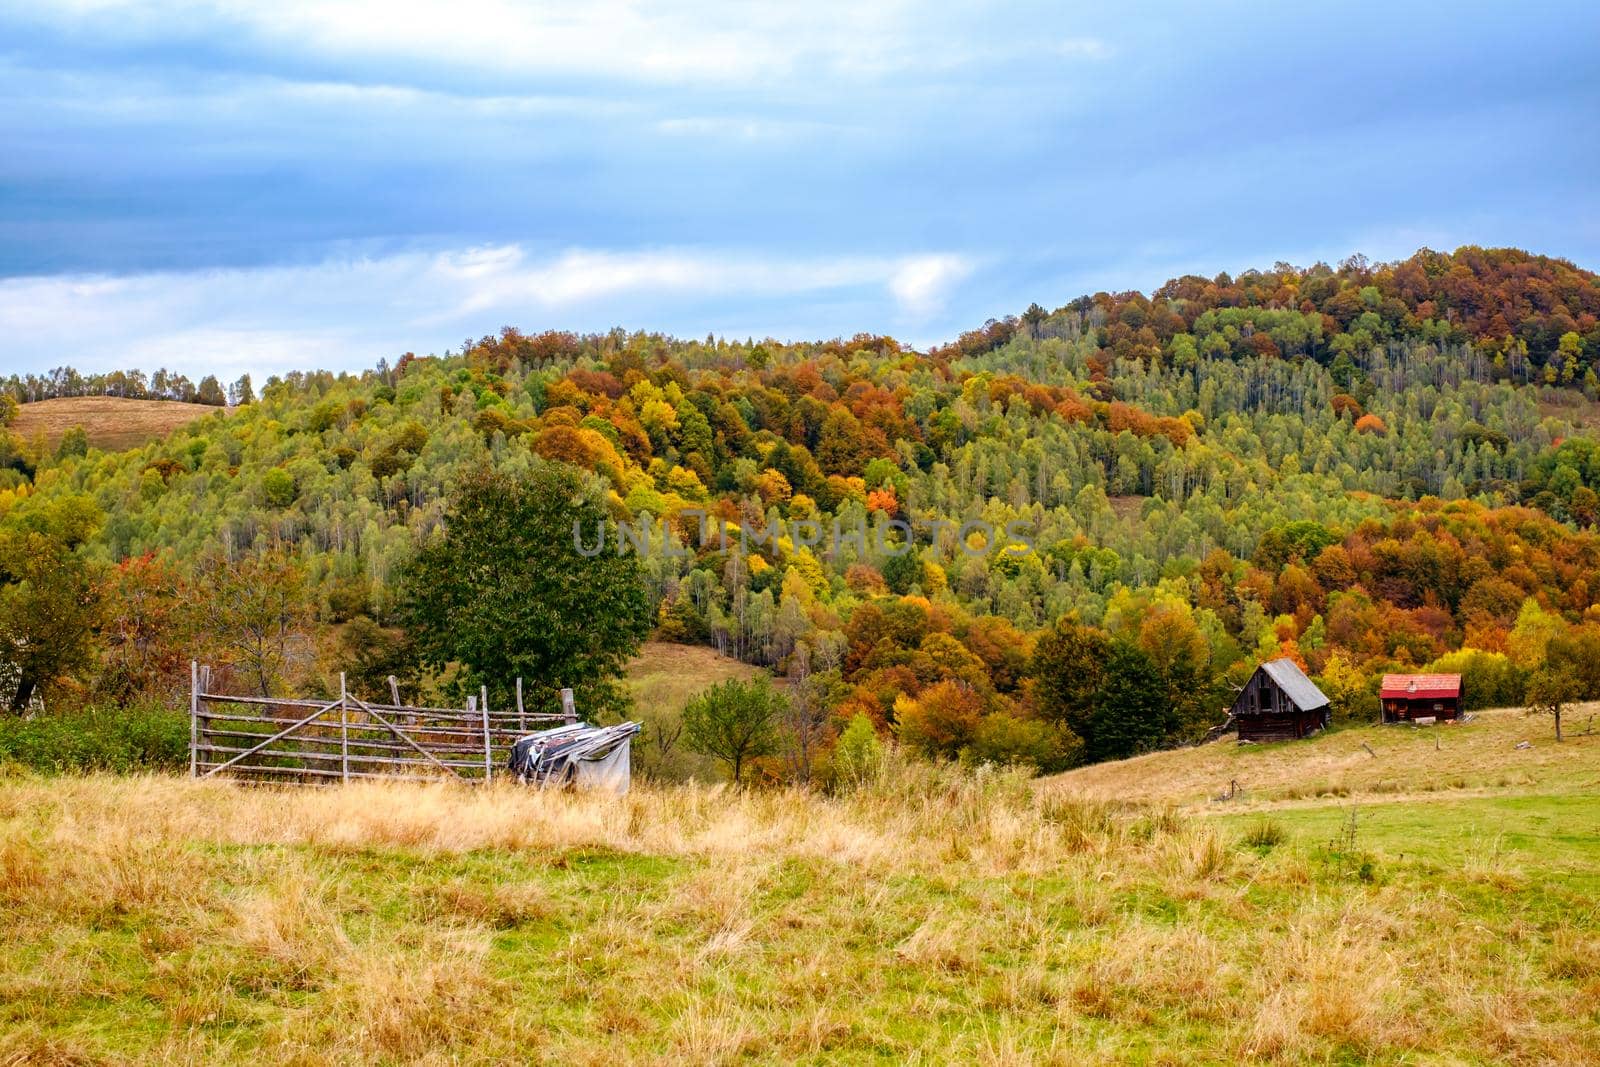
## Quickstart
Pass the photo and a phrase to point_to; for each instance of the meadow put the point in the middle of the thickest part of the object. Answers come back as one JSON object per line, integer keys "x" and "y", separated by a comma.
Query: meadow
{"x": 110, "y": 423}
{"x": 935, "y": 915}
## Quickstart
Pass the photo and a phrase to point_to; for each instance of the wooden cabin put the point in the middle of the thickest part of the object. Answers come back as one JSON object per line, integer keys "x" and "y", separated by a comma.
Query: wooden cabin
{"x": 1409, "y": 697}
{"x": 1279, "y": 703}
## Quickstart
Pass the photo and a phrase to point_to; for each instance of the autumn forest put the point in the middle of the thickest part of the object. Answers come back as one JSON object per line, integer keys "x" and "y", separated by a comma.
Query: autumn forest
{"x": 1365, "y": 468}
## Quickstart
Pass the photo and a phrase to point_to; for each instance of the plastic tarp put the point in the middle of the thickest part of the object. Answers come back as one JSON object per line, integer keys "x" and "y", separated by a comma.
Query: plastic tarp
{"x": 589, "y": 757}
{"x": 612, "y": 773}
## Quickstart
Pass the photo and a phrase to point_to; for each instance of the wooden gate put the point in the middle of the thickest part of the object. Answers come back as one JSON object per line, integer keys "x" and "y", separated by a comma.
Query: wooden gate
{"x": 309, "y": 740}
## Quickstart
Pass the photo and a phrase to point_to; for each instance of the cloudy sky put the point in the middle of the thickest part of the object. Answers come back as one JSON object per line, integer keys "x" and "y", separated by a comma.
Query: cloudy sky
{"x": 229, "y": 185}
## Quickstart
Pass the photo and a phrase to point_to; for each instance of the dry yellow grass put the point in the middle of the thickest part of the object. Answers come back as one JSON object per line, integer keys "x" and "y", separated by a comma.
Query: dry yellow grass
{"x": 1473, "y": 758}
{"x": 111, "y": 423}
{"x": 935, "y": 917}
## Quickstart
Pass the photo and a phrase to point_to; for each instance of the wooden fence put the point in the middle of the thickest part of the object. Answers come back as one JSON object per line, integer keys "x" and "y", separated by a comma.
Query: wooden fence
{"x": 310, "y": 740}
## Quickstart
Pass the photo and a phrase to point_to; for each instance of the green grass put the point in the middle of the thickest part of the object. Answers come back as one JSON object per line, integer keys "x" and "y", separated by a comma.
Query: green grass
{"x": 937, "y": 916}
{"x": 1525, "y": 842}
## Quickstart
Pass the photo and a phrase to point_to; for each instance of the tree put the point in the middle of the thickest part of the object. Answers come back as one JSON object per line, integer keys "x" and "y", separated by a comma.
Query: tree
{"x": 505, "y": 593}
{"x": 1570, "y": 673}
{"x": 901, "y": 572}
{"x": 75, "y": 442}
{"x": 144, "y": 631}
{"x": 1551, "y": 688}
{"x": 1068, "y": 667}
{"x": 255, "y": 611}
{"x": 1004, "y": 738}
{"x": 370, "y": 654}
{"x": 48, "y": 609}
{"x": 1131, "y": 713}
{"x": 734, "y": 722}
{"x": 210, "y": 392}
{"x": 942, "y": 721}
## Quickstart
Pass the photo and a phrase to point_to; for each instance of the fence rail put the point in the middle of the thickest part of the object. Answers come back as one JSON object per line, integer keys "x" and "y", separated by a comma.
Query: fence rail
{"x": 312, "y": 740}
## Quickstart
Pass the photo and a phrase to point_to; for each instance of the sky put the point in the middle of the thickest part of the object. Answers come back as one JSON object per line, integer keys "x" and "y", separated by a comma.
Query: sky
{"x": 230, "y": 186}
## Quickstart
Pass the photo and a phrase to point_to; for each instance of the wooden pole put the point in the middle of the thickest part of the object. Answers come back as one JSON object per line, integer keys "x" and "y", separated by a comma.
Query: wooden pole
{"x": 522, "y": 723}
{"x": 394, "y": 691}
{"x": 194, "y": 718}
{"x": 569, "y": 710}
{"x": 344, "y": 730}
{"x": 488, "y": 754}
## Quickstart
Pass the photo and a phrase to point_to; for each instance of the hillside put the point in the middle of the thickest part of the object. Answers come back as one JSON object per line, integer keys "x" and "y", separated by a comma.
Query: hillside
{"x": 1347, "y": 466}
{"x": 1474, "y": 758}
{"x": 111, "y": 423}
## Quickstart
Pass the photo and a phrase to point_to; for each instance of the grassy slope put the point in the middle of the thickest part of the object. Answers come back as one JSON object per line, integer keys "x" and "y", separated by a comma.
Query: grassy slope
{"x": 662, "y": 678}
{"x": 1478, "y": 757}
{"x": 665, "y": 675}
{"x": 112, "y": 423}
{"x": 935, "y": 917}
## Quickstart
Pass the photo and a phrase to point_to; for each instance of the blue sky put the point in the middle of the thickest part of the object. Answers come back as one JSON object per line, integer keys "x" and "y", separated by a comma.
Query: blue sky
{"x": 230, "y": 186}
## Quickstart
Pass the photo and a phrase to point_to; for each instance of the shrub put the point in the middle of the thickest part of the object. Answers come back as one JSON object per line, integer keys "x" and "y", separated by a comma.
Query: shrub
{"x": 858, "y": 755}
{"x": 1264, "y": 834}
{"x": 1008, "y": 739}
{"x": 147, "y": 737}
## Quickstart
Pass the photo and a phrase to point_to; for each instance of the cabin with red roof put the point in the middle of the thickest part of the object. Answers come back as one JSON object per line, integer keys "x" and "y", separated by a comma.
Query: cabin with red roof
{"x": 1409, "y": 697}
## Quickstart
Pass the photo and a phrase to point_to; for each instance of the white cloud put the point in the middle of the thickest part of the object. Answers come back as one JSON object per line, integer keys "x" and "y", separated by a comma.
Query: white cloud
{"x": 1084, "y": 48}
{"x": 655, "y": 42}
{"x": 921, "y": 283}
{"x": 348, "y": 312}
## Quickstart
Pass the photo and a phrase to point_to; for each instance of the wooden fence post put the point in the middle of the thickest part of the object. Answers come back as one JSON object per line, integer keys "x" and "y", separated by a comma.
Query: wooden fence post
{"x": 522, "y": 723}
{"x": 194, "y": 719}
{"x": 344, "y": 732}
{"x": 569, "y": 710}
{"x": 488, "y": 753}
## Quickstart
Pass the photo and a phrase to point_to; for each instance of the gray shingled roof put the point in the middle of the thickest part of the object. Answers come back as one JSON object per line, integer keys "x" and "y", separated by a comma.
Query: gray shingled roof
{"x": 1295, "y": 685}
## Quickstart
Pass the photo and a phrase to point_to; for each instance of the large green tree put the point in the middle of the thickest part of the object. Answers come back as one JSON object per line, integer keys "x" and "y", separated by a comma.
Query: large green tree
{"x": 504, "y": 592}
{"x": 1069, "y": 665}
{"x": 49, "y": 600}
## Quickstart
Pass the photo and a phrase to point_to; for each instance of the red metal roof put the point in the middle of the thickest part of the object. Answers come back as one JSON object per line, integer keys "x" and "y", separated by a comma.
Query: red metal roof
{"x": 1420, "y": 686}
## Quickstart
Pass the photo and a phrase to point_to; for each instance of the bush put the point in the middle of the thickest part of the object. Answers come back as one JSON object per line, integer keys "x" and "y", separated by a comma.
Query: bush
{"x": 1006, "y": 739}
{"x": 1264, "y": 834}
{"x": 121, "y": 739}
{"x": 858, "y": 756}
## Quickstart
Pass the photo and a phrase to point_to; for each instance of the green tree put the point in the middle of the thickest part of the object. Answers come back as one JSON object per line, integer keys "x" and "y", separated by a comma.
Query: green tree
{"x": 504, "y": 592}
{"x": 49, "y": 605}
{"x": 1131, "y": 712}
{"x": 1551, "y": 689}
{"x": 277, "y": 486}
{"x": 1068, "y": 668}
{"x": 75, "y": 442}
{"x": 902, "y": 572}
{"x": 370, "y": 654}
{"x": 734, "y": 722}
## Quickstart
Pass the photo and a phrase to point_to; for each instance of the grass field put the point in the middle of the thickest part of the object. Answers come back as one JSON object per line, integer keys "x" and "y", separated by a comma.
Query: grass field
{"x": 934, "y": 917}
{"x": 662, "y": 678}
{"x": 1479, "y": 757}
{"x": 112, "y": 423}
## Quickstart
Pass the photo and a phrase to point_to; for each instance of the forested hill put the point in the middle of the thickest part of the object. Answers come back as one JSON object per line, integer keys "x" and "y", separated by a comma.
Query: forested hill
{"x": 1533, "y": 317}
{"x": 1365, "y": 468}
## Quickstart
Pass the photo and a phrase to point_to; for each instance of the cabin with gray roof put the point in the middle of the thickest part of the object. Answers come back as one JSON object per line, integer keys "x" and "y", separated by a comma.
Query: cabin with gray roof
{"x": 1279, "y": 703}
